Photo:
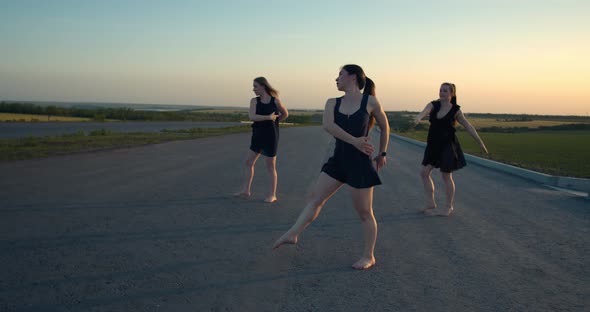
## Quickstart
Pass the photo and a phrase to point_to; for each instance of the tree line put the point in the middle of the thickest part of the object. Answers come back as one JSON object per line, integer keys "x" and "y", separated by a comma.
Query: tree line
{"x": 128, "y": 114}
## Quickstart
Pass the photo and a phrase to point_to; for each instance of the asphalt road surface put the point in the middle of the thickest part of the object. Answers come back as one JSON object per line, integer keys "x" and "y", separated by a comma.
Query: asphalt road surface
{"x": 40, "y": 129}
{"x": 155, "y": 228}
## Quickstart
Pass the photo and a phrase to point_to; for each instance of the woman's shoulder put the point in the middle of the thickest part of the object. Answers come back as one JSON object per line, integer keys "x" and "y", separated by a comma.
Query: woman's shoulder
{"x": 371, "y": 98}
{"x": 332, "y": 101}
{"x": 372, "y": 101}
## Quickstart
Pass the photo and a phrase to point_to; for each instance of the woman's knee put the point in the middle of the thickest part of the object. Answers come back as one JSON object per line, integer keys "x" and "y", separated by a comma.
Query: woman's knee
{"x": 270, "y": 164}
{"x": 315, "y": 201}
{"x": 249, "y": 162}
{"x": 447, "y": 177}
{"x": 271, "y": 167}
{"x": 365, "y": 214}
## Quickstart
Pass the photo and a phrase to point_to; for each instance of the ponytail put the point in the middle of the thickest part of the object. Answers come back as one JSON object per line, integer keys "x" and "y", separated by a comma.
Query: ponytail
{"x": 369, "y": 87}
{"x": 364, "y": 83}
{"x": 370, "y": 90}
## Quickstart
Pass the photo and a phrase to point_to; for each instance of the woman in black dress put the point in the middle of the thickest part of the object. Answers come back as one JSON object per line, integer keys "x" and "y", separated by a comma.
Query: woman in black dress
{"x": 266, "y": 110}
{"x": 443, "y": 149}
{"x": 349, "y": 119}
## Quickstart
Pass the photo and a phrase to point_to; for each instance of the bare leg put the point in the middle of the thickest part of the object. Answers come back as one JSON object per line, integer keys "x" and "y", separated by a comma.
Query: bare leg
{"x": 450, "y": 191}
{"x": 272, "y": 171}
{"x": 250, "y": 161}
{"x": 362, "y": 199}
{"x": 425, "y": 174}
{"x": 325, "y": 187}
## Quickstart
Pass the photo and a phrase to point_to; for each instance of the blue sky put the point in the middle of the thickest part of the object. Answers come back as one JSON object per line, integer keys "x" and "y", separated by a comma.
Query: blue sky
{"x": 504, "y": 56}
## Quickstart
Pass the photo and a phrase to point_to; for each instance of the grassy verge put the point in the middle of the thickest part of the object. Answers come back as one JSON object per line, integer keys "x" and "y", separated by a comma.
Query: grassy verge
{"x": 564, "y": 153}
{"x": 33, "y": 118}
{"x": 33, "y": 147}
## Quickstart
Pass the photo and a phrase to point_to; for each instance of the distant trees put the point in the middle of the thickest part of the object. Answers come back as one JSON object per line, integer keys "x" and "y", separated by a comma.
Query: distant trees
{"x": 51, "y": 111}
{"x": 102, "y": 114}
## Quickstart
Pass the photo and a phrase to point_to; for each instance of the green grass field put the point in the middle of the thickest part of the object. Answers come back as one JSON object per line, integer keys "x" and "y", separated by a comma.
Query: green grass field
{"x": 489, "y": 122}
{"x": 563, "y": 153}
{"x": 479, "y": 123}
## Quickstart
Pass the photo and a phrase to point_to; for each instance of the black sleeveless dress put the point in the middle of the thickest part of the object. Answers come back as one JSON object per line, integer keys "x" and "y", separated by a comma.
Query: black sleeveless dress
{"x": 443, "y": 149}
{"x": 348, "y": 164}
{"x": 265, "y": 134}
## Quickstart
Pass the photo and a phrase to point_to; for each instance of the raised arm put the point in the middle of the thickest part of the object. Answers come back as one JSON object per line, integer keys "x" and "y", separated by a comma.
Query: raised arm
{"x": 332, "y": 128}
{"x": 471, "y": 130}
{"x": 423, "y": 114}
{"x": 283, "y": 112}
{"x": 254, "y": 117}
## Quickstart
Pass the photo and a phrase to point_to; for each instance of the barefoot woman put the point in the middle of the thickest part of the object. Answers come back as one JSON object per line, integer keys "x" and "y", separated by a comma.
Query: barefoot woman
{"x": 266, "y": 110}
{"x": 443, "y": 150}
{"x": 349, "y": 119}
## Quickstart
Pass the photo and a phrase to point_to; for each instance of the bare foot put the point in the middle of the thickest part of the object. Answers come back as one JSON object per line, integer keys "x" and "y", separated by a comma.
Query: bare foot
{"x": 270, "y": 199}
{"x": 285, "y": 239}
{"x": 447, "y": 213}
{"x": 244, "y": 195}
{"x": 427, "y": 209}
{"x": 364, "y": 263}
{"x": 438, "y": 212}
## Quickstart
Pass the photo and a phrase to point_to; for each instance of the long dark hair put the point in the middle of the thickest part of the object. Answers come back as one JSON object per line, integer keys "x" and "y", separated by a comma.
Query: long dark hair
{"x": 267, "y": 87}
{"x": 364, "y": 83}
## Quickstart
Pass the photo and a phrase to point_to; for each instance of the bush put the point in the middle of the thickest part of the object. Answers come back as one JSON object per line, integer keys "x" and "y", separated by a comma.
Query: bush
{"x": 98, "y": 117}
{"x": 400, "y": 122}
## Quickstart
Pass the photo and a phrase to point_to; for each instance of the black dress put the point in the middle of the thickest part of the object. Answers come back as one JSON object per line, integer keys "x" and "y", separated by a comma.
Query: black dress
{"x": 265, "y": 134}
{"x": 443, "y": 149}
{"x": 348, "y": 164}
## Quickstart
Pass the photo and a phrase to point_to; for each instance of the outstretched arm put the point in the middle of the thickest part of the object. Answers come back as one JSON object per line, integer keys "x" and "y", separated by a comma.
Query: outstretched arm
{"x": 332, "y": 128}
{"x": 254, "y": 117}
{"x": 283, "y": 112}
{"x": 423, "y": 114}
{"x": 471, "y": 130}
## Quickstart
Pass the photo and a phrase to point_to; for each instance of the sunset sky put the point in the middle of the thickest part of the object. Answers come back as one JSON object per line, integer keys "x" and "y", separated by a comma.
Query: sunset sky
{"x": 504, "y": 56}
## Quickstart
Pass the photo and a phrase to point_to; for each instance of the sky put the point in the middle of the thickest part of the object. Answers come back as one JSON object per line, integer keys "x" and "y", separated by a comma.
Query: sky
{"x": 530, "y": 57}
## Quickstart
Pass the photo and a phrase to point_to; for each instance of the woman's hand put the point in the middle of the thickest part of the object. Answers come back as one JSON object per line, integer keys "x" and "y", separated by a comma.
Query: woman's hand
{"x": 483, "y": 148}
{"x": 363, "y": 145}
{"x": 416, "y": 121}
{"x": 380, "y": 161}
{"x": 273, "y": 116}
